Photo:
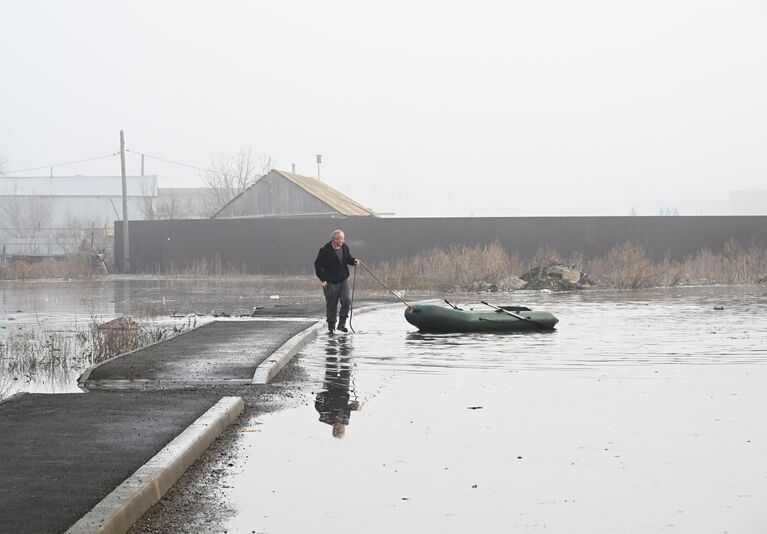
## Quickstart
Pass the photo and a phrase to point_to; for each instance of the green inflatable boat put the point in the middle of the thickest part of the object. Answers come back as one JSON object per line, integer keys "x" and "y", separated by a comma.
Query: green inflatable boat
{"x": 439, "y": 318}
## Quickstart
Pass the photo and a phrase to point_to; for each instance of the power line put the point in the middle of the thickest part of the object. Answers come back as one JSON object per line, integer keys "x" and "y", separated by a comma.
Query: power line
{"x": 61, "y": 164}
{"x": 170, "y": 161}
{"x": 117, "y": 154}
{"x": 212, "y": 171}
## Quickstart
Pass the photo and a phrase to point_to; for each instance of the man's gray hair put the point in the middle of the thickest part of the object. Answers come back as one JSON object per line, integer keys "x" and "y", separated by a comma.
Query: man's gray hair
{"x": 336, "y": 234}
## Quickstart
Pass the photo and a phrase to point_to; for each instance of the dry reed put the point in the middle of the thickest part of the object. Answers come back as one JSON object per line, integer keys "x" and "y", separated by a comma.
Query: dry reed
{"x": 72, "y": 266}
{"x": 627, "y": 266}
{"x": 27, "y": 351}
{"x": 456, "y": 266}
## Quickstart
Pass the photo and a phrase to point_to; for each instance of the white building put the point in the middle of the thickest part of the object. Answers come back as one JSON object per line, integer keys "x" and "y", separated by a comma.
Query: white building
{"x": 52, "y": 215}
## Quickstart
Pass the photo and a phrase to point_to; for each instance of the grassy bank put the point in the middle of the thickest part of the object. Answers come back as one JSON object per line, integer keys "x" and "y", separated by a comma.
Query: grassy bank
{"x": 79, "y": 265}
{"x": 627, "y": 266}
{"x": 35, "y": 352}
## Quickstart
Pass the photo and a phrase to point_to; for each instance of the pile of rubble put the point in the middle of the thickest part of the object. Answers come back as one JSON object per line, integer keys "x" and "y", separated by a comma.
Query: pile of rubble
{"x": 556, "y": 277}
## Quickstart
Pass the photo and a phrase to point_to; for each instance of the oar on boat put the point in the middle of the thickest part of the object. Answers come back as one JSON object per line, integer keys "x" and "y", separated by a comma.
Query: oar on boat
{"x": 451, "y": 305}
{"x": 536, "y": 323}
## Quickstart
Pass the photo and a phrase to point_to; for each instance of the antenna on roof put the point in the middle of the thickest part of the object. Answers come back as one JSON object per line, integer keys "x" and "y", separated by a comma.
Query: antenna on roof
{"x": 319, "y": 160}
{"x": 293, "y": 168}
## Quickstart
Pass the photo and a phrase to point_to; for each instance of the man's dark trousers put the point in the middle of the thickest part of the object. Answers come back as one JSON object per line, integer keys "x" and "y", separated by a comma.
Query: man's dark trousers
{"x": 334, "y": 294}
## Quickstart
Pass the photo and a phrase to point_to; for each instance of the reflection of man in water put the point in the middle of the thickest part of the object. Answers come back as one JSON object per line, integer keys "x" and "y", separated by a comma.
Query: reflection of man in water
{"x": 333, "y": 403}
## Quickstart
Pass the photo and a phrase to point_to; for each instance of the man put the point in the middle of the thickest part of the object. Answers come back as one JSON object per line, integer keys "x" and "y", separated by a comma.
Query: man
{"x": 332, "y": 268}
{"x": 334, "y": 403}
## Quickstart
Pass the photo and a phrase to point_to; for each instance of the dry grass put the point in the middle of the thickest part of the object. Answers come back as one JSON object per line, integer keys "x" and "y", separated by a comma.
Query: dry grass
{"x": 627, "y": 266}
{"x": 459, "y": 266}
{"x": 630, "y": 266}
{"x": 735, "y": 265}
{"x": 73, "y": 266}
{"x": 201, "y": 267}
{"x": 27, "y": 352}
{"x": 124, "y": 334}
{"x": 456, "y": 266}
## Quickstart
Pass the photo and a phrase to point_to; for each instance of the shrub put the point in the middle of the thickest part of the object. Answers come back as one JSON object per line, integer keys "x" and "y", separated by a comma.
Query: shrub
{"x": 627, "y": 266}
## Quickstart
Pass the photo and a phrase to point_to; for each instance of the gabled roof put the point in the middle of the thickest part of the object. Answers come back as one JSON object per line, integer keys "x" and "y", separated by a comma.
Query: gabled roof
{"x": 333, "y": 198}
{"x": 336, "y": 200}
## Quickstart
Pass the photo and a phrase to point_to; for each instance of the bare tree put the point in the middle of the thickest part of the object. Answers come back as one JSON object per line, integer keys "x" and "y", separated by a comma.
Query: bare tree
{"x": 26, "y": 216}
{"x": 231, "y": 175}
{"x": 149, "y": 201}
{"x": 181, "y": 203}
{"x": 171, "y": 208}
{"x": 24, "y": 221}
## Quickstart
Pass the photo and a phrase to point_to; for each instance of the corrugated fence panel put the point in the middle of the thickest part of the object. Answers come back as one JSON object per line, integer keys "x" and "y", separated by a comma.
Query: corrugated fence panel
{"x": 288, "y": 246}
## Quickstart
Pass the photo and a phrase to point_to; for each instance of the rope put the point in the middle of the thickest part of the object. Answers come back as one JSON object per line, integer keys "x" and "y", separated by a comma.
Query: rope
{"x": 61, "y": 164}
{"x": 381, "y": 282}
{"x": 351, "y": 301}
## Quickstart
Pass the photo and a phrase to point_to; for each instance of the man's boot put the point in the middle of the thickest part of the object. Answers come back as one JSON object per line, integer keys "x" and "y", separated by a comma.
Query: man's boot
{"x": 331, "y": 328}
{"x": 342, "y": 324}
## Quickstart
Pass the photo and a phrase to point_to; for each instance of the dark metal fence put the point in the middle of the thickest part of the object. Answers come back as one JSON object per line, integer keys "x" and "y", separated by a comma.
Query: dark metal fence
{"x": 289, "y": 246}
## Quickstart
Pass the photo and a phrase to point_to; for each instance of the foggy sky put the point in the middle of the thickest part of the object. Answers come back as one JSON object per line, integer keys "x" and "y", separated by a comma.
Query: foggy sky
{"x": 420, "y": 108}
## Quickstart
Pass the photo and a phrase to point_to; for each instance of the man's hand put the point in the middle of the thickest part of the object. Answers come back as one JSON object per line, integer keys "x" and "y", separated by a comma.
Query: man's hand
{"x": 324, "y": 285}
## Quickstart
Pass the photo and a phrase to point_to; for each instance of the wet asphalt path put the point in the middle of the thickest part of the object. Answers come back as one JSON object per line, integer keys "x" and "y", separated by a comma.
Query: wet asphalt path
{"x": 61, "y": 454}
{"x": 218, "y": 352}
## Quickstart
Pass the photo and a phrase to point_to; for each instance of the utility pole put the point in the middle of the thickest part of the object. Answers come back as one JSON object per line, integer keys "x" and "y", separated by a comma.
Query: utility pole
{"x": 319, "y": 160}
{"x": 126, "y": 235}
{"x": 142, "y": 164}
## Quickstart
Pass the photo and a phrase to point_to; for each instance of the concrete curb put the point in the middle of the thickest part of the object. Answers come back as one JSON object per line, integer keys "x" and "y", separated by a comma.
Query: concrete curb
{"x": 269, "y": 368}
{"x": 130, "y": 500}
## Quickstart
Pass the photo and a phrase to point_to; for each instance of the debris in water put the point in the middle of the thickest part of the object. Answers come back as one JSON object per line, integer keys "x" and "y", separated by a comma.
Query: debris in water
{"x": 475, "y": 407}
{"x": 274, "y": 297}
{"x": 719, "y": 308}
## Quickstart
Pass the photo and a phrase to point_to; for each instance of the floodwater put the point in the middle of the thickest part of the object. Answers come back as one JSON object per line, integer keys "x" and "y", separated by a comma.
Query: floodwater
{"x": 643, "y": 412}
{"x": 34, "y": 312}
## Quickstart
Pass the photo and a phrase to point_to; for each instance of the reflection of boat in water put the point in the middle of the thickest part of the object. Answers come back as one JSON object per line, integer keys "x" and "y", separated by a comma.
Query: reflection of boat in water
{"x": 439, "y": 318}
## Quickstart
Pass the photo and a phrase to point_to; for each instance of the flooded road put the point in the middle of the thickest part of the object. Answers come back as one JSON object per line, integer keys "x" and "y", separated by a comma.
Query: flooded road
{"x": 44, "y": 324}
{"x": 643, "y": 412}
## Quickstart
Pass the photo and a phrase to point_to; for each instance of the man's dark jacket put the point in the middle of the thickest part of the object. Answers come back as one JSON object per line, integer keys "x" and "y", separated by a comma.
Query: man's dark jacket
{"x": 328, "y": 268}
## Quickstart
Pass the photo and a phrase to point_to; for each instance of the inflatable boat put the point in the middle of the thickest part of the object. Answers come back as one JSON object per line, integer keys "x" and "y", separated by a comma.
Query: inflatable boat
{"x": 450, "y": 318}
